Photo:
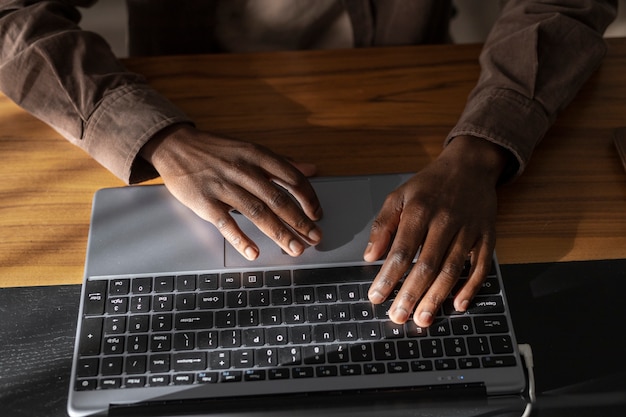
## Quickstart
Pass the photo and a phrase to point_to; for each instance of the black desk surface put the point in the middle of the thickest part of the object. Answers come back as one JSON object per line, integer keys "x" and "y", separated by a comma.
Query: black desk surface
{"x": 572, "y": 314}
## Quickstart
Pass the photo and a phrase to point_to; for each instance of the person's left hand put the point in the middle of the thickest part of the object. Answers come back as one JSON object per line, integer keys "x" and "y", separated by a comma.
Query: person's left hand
{"x": 448, "y": 210}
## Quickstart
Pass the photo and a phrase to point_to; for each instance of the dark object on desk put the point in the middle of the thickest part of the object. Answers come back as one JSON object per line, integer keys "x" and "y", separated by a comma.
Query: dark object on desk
{"x": 571, "y": 313}
{"x": 619, "y": 138}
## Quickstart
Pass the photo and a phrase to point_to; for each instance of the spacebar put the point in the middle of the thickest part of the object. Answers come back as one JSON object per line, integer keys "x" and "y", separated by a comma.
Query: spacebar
{"x": 335, "y": 275}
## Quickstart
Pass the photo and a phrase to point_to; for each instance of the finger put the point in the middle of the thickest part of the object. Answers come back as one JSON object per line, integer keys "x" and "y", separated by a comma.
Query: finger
{"x": 445, "y": 278}
{"x": 219, "y": 215}
{"x": 401, "y": 254}
{"x": 292, "y": 179}
{"x": 307, "y": 169}
{"x": 383, "y": 228}
{"x": 266, "y": 220}
{"x": 273, "y": 209}
{"x": 480, "y": 267}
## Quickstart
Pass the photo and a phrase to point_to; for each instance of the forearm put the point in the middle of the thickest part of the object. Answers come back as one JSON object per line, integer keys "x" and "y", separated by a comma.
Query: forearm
{"x": 534, "y": 62}
{"x": 70, "y": 79}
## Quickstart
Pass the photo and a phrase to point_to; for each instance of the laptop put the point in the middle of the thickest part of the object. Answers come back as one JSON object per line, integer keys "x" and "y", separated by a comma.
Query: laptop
{"x": 173, "y": 318}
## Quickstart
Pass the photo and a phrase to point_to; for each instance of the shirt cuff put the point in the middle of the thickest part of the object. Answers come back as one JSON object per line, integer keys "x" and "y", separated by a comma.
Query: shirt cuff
{"x": 122, "y": 124}
{"x": 508, "y": 119}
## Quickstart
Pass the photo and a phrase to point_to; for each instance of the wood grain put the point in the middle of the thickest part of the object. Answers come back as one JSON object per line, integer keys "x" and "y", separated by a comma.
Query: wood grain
{"x": 349, "y": 112}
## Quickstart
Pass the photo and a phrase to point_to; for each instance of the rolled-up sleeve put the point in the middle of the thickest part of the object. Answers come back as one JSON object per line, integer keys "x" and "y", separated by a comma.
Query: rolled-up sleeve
{"x": 534, "y": 61}
{"x": 70, "y": 79}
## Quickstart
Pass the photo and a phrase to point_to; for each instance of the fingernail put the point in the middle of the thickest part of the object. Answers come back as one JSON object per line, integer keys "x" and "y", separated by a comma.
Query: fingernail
{"x": 251, "y": 253}
{"x": 318, "y": 213}
{"x": 366, "y": 253}
{"x": 426, "y": 317}
{"x": 376, "y": 297}
{"x": 462, "y": 306}
{"x": 400, "y": 315}
{"x": 315, "y": 235}
{"x": 296, "y": 247}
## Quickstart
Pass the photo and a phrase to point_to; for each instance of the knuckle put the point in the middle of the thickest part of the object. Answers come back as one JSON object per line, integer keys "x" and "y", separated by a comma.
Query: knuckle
{"x": 278, "y": 200}
{"x": 424, "y": 268}
{"x": 400, "y": 257}
{"x": 451, "y": 271}
{"x": 256, "y": 210}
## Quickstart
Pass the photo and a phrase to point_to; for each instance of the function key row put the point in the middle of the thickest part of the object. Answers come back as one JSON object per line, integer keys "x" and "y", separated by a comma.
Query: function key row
{"x": 236, "y": 280}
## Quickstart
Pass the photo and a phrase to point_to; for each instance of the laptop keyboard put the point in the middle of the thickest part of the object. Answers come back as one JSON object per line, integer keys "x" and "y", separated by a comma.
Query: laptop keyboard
{"x": 242, "y": 327}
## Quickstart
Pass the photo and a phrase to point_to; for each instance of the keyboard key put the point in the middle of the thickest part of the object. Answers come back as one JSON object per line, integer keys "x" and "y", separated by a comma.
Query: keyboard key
{"x": 159, "y": 380}
{"x": 492, "y": 304}
{"x": 208, "y": 282}
{"x": 135, "y": 364}
{"x": 117, "y": 305}
{"x": 115, "y": 325}
{"x": 231, "y": 376}
{"x": 195, "y": 320}
{"x": 349, "y": 293}
{"x": 431, "y": 348}
{"x": 314, "y": 354}
{"x": 95, "y": 297}
{"x": 254, "y": 375}
{"x": 159, "y": 363}
{"x": 278, "y": 278}
{"x": 501, "y": 344}
{"x": 90, "y": 336}
{"x": 462, "y": 326}
{"x": 304, "y": 295}
{"x": 211, "y": 300}
{"x": 184, "y": 341}
{"x": 278, "y": 373}
{"x": 498, "y": 361}
{"x": 303, "y": 372}
{"x": 252, "y": 279}
{"x": 164, "y": 284}
{"x": 281, "y": 297}
{"x": 185, "y": 283}
{"x": 478, "y": 345}
{"x": 138, "y": 324}
{"x": 207, "y": 377}
{"x": 339, "y": 275}
{"x": 119, "y": 287}
{"x": 469, "y": 363}
{"x": 326, "y": 294}
{"x": 445, "y": 364}
{"x": 408, "y": 349}
{"x": 397, "y": 367}
{"x": 491, "y": 324}
{"x": 361, "y": 352}
{"x": 219, "y": 359}
{"x": 87, "y": 367}
{"x": 326, "y": 370}
{"x": 349, "y": 370}
{"x": 183, "y": 379}
{"x": 111, "y": 366}
{"x": 189, "y": 361}
{"x": 384, "y": 351}
{"x": 230, "y": 280}
{"x": 454, "y": 346}
{"x": 421, "y": 366}
{"x": 374, "y": 368}
{"x": 141, "y": 285}
{"x": 185, "y": 301}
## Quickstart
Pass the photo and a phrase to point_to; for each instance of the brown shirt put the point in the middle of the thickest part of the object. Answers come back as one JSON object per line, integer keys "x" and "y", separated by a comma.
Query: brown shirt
{"x": 534, "y": 61}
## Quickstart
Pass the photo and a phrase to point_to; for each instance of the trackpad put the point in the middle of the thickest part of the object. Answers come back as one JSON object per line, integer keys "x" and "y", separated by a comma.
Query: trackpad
{"x": 348, "y": 213}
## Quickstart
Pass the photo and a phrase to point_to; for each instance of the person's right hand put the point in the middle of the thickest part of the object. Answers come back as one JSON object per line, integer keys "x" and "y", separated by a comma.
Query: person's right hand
{"x": 213, "y": 175}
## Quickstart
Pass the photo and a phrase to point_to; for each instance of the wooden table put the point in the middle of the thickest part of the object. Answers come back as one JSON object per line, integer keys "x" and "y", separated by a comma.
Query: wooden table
{"x": 349, "y": 112}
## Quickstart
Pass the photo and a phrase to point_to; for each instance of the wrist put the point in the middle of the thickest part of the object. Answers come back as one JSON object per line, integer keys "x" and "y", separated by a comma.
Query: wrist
{"x": 161, "y": 141}
{"x": 479, "y": 156}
